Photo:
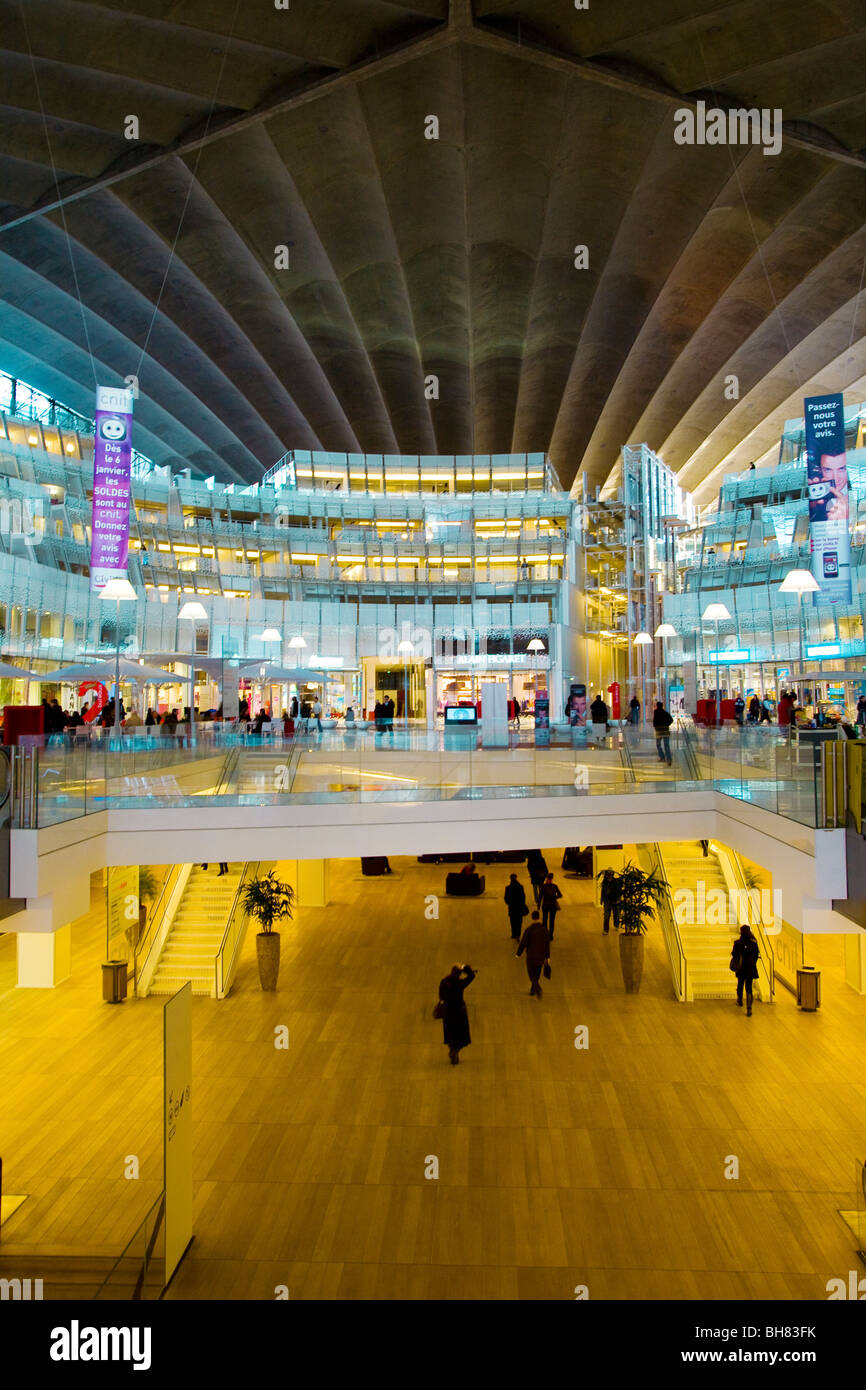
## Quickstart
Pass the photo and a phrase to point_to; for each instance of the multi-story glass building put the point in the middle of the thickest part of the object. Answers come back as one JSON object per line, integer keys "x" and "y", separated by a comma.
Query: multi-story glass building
{"x": 418, "y": 577}
{"x": 739, "y": 554}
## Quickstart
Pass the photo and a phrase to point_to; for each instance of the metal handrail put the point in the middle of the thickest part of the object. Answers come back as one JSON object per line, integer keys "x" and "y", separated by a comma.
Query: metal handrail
{"x": 625, "y": 754}
{"x": 220, "y": 972}
{"x": 766, "y": 958}
{"x": 689, "y": 751}
{"x": 670, "y": 928}
{"x": 154, "y": 917}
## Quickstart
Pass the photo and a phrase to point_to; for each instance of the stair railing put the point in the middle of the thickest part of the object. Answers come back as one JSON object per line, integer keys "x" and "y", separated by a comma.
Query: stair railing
{"x": 229, "y": 948}
{"x": 689, "y": 747}
{"x": 735, "y": 879}
{"x": 227, "y": 772}
{"x": 159, "y": 922}
{"x": 670, "y": 929}
{"x": 625, "y": 754}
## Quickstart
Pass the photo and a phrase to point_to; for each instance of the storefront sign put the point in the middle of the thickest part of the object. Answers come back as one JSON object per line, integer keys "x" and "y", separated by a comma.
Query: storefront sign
{"x": 827, "y": 478}
{"x": 112, "y": 457}
{"x": 327, "y": 663}
{"x": 729, "y": 655}
{"x": 825, "y": 649}
{"x": 506, "y": 659}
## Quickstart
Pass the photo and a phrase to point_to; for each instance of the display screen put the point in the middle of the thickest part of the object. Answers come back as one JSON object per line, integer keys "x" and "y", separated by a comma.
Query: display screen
{"x": 460, "y": 714}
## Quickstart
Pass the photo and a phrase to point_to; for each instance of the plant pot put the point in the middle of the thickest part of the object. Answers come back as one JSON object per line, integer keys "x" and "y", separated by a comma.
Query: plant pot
{"x": 631, "y": 960}
{"x": 268, "y": 957}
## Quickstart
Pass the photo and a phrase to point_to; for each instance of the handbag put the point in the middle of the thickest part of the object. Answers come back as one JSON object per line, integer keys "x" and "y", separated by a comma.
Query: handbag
{"x": 546, "y": 970}
{"x": 439, "y": 1009}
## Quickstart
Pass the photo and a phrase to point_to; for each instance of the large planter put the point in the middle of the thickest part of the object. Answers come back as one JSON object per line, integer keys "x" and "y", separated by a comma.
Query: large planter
{"x": 631, "y": 960}
{"x": 268, "y": 957}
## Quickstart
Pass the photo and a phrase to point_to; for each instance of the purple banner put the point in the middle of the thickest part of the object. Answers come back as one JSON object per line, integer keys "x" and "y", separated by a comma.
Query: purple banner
{"x": 827, "y": 477}
{"x": 112, "y": 456}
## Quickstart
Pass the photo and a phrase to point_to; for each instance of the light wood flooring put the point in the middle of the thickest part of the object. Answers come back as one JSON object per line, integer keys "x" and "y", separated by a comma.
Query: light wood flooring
{"x": 558, "y": 1167}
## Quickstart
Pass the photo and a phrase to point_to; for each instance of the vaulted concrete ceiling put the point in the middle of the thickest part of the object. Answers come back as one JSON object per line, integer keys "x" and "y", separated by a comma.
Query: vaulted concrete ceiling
{"x": 722, "y": 283}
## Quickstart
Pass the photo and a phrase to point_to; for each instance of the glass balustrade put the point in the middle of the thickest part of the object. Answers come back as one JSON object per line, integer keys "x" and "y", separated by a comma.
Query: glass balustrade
{"x": 229, "y": 767}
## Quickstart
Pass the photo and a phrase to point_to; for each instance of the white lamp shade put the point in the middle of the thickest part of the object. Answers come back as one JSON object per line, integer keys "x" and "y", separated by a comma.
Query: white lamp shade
{"x": 297, "y": 642}
{"x": 118, "y": 590}
{"x": 799, "y": 582}
{"x": 270, "y": 634}
{"x": 643, "y": 639}
{"x": 536, "y": 645}
{"x": 716, "y": 613}
{"x": 193, "y": 610}
{"x": 666, "y": 630}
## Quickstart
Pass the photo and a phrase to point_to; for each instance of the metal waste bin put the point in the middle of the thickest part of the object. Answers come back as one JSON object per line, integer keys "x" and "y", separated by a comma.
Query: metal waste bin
{"x": 114, "y": 981}
{"x": 808, "y": 988}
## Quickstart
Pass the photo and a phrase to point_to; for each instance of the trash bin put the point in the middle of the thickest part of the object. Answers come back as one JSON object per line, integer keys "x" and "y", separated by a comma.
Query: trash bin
{"x": 808, "y": 988}
{"x": 114, "y": 981}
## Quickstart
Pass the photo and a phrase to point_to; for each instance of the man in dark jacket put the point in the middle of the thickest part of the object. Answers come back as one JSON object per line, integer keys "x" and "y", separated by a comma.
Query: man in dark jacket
{"x": 662, "y": 722}
{"x": 744, "y": 963}
{"x": 550, "y": 896}
{"x": 515, "y": 899}
{"x": 536, "y": 943}
{"x": 455, "y": 1019}
{"x": 537, "y": 866}
{"x": 609, "y": 892}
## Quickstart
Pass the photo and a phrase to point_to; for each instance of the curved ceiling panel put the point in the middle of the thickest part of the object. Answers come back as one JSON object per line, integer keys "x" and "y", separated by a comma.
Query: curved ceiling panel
{"x": 354, "y": 226}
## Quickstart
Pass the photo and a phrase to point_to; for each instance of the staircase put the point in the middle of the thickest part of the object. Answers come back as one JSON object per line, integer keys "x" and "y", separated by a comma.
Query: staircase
{"x": 706, "y": 944}
{"x": 197, "y": 931}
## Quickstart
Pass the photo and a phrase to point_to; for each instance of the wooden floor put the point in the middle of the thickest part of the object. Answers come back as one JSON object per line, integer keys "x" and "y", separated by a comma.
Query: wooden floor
{"x": 558, "y": 1167}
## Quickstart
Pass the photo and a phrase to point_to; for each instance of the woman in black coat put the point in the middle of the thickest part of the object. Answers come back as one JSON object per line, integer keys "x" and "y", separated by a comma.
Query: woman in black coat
{"x": 455, "y": 1019}
{"x": 744, "y": 962}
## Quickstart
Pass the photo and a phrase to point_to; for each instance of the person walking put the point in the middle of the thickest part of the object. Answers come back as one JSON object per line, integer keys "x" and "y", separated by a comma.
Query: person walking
{"x": 455, "y": 1019}
{"x": 515, "y": 901}
{"x": 317, "y": 713}
{"x": 766, "y": 711}
{"x": 634, "y": 710}
{"x": 754, "y": 710}
{"x": 223, "y": 869}
{"x": 609, "y": 893}
{"x": 537, "y": 867}
{"x": 744, "y": 963}
{"x": 599, "y": 714}
{"x": 388, "y": 710}
{"x": 739, "y": 708}
{"x": 861, "y": 711}
{"x": 536, "y": 943}
{"x": 550, "y": 896}
{"x": 662, "y": 722}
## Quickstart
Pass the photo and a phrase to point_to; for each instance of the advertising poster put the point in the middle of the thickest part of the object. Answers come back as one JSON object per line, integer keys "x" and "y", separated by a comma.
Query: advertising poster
{"x": 177, "y": 1138}
{"x": 827, "y": 478}
{"x": 112, "y": 459}
{"x": 577, "y": 707}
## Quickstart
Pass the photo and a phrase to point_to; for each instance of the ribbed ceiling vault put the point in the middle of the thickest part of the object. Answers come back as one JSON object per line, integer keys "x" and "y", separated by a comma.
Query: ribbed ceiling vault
{"x": 454, "y": 257}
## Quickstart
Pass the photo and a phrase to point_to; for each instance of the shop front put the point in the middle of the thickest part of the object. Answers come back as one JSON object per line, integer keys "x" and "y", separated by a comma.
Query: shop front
{"x": 458, "y": 680}
{"x": 403, "y": 682}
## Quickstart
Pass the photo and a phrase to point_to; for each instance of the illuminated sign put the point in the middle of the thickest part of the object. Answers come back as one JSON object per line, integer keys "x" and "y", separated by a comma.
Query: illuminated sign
{"x": 730, "y": 654}
{"x": 825, "y": 649}
{"x": 327, "y": 663}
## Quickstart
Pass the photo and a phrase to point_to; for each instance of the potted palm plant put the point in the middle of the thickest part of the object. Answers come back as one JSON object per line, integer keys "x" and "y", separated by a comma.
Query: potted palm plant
{"x": 639, "y": 894}
{"x": 268, "y": 900}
